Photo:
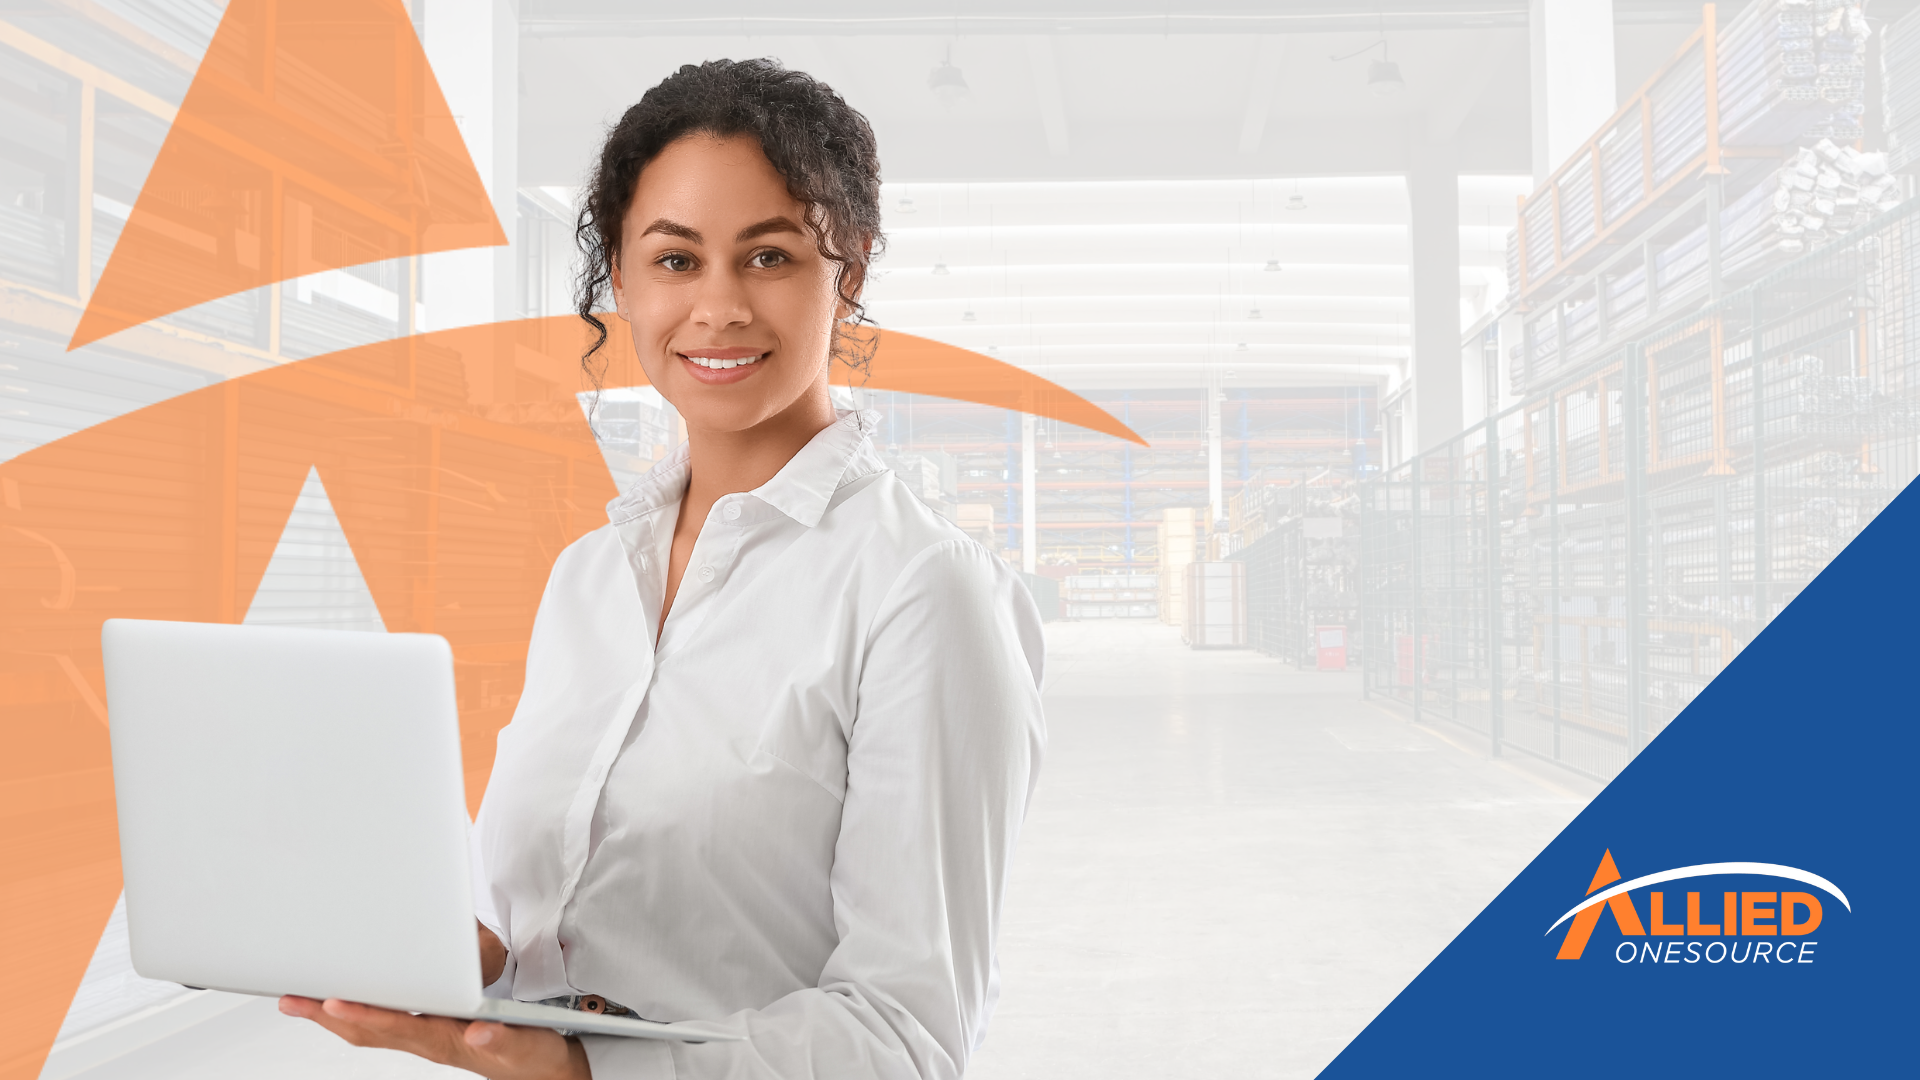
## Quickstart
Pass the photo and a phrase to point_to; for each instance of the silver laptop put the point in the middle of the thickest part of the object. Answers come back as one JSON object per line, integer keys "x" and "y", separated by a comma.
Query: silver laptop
{"x": 293, "y": 820}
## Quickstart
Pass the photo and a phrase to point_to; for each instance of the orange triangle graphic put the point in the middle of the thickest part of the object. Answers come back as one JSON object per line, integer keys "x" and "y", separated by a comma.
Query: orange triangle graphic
{"x": 1605, "y": 874}
{"x": 1581, "y": 929}
{"x": 313, "y": 137}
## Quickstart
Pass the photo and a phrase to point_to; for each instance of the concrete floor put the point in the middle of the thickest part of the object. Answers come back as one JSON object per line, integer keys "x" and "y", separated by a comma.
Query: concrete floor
{"x": 1229, "y": 868}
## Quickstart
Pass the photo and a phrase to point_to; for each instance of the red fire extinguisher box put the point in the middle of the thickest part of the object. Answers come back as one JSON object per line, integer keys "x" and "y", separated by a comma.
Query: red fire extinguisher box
{"x": 1330, "y": 648}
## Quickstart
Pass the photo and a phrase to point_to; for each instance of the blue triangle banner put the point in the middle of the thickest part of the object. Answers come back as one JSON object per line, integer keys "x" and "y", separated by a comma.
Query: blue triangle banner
{"x": 1737, "y": 901}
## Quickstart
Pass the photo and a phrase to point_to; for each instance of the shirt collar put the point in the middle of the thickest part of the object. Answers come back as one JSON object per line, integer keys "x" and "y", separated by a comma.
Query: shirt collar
{"x": 802, "y": 489}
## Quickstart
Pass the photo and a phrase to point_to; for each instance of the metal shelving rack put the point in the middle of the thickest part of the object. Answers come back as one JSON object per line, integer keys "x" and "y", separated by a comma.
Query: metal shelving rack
{"x": 1098, "y": 499}
{"x": 1566, "y": 576}
{"x": 1300, "y": 578}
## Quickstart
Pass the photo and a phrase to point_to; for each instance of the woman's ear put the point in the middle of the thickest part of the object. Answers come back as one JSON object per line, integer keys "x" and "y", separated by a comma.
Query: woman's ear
{"x": 619, "y": 290}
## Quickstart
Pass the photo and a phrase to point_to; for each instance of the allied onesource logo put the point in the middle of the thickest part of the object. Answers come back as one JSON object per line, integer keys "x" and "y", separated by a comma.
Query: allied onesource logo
{"x": 1702, "y": 925}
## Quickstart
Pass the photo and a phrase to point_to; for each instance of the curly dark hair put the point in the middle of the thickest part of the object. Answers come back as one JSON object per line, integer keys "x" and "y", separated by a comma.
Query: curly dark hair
{"x": 822, "y": 146}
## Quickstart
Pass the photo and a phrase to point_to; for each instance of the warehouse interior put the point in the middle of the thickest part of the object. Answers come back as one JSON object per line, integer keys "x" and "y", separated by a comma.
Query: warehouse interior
{"x": 1504, "y": 368}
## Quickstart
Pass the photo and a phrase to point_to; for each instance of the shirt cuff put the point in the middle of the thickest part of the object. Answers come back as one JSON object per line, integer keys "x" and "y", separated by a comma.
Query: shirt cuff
{"x": 615, "y": 1057}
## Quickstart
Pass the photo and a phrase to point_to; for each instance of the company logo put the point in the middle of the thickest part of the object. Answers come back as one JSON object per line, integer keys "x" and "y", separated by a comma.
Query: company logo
{"x": 1740, "y": 927}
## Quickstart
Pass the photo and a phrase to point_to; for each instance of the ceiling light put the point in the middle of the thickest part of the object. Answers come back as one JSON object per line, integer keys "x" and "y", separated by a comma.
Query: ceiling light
{"x": 966, "y": 316}
{"x": 1296, "y": 201}
{"x": 946, "y": 82}
{"x": 941, "y": 269}
{"x": 1273, "y": 266}
{"x": 1383, "y": 78}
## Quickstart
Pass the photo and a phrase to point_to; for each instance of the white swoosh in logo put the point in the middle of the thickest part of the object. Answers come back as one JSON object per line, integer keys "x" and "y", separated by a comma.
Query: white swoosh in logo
{"x": 1766, "y": 868}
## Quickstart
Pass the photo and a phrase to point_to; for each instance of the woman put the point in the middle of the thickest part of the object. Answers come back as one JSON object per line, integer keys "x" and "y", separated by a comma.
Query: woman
{"x": 780, "y": 721}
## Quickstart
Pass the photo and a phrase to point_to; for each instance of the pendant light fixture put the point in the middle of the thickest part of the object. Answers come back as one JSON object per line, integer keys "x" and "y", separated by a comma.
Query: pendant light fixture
{"x": 946, "y": 81}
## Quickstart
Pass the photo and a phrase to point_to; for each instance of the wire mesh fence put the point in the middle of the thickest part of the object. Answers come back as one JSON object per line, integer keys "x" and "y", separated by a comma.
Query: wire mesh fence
{"x": 1301, "y": 581}
{"x": 1565, "y": 577}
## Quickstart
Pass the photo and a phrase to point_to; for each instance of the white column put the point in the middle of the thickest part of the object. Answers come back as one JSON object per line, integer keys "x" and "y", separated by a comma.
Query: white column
{"x": 474, "y": 47}
{"x": 1029, "y": 497}
{"x": 1216, "y": 500}
{"x": 1433, "y": 197}
{"x": 1571, "y": 52}
{"x": 1473, "y": 383}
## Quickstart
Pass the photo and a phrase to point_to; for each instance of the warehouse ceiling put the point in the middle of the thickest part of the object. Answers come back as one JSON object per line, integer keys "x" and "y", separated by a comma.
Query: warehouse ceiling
{"x": 1107, "y": 195}
{"x": 1104, "y": 91}
{"x": 1175, "y": 283}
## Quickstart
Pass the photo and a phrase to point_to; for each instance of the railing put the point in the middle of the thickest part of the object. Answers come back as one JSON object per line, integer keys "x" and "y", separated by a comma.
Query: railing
{"x": 1605, "y": 186}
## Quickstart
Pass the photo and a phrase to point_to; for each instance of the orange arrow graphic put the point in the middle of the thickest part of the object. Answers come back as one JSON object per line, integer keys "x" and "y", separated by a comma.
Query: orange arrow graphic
{"x": 313, "y": 136}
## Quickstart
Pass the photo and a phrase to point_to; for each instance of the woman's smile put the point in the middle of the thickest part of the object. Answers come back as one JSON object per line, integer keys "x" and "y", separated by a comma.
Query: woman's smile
{"x": 718, "y": 366}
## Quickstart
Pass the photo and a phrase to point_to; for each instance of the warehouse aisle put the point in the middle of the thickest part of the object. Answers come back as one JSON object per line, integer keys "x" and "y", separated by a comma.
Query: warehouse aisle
{"x": 1231, "y": 866}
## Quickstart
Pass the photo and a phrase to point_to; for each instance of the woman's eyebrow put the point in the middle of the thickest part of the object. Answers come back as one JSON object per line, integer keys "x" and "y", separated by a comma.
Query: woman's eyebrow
{"x": 763, "y": 228}
{"x": 672, "y": 228}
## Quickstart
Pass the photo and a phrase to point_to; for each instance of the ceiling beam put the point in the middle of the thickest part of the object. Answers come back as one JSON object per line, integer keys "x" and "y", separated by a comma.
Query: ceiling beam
{"x": 1486, "y": 55}
{"x": 1045, "y": 69}
{"x": 1269, "y": 55}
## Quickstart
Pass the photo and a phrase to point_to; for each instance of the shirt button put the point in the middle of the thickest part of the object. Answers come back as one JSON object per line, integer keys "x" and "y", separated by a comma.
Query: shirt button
{"x": 706, "y": 573}
{"x": 732, "y": 512}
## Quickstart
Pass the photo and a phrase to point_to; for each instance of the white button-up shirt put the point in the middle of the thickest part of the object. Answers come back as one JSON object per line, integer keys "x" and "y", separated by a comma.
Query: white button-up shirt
{"x": 793, "y": 813}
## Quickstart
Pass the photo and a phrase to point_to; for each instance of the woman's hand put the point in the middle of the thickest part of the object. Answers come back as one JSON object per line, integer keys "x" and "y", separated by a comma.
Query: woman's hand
{"x": 493, "y": 956}
{"x": 496, "y": 1051}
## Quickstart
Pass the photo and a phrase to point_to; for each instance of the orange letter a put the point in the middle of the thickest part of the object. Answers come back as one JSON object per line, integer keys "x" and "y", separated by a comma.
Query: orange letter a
{"x": 1628, "y": 919}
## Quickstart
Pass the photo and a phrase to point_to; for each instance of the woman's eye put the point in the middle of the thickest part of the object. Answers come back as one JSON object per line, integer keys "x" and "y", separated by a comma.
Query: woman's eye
{"x": 767, "y": 260}
{"x": 677, "y": 263}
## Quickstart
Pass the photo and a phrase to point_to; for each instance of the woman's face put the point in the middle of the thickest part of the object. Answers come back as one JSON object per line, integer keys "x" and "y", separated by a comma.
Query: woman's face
{"x": 731, "y": 303}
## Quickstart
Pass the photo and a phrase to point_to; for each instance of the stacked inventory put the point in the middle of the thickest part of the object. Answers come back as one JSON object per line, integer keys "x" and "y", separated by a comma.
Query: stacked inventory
{"x": 1786, "y": 70}
{"x": 1812, "y": 403}
{"x": 1818, "y": 194}
{"x": 1824, "y": 192}
{"x": 1783, "y": 72}
{"x": 1110, "y": 596}
{"x": 1179, "y": 544}
{"x": 1817, "y": 503}
{"x": 1216, "y": 605}
{"x": 1791, "y": 69}
{"x": 1900, "y": 87}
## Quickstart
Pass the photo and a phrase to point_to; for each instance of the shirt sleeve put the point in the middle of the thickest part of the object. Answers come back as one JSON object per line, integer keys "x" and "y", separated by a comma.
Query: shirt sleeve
{"x": 941, "y": 759}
